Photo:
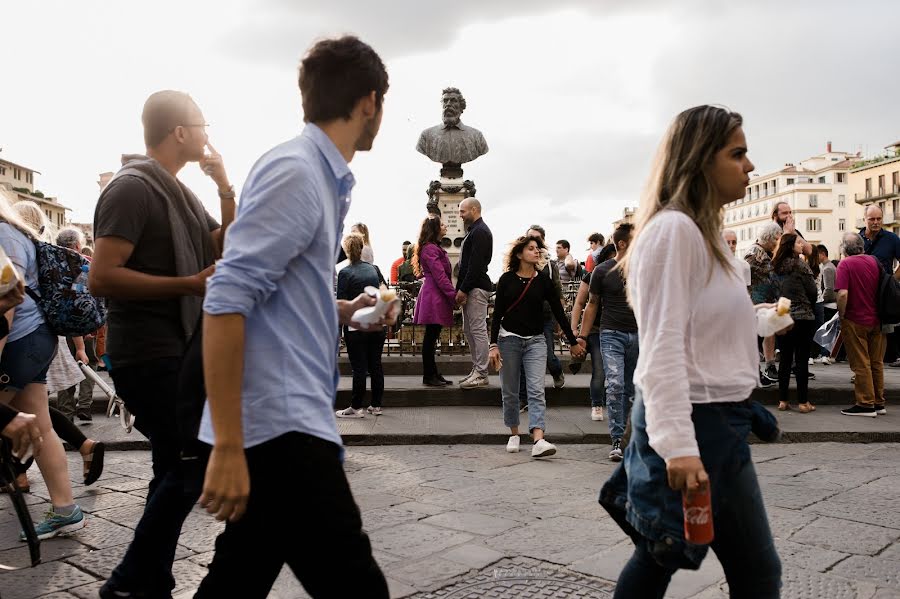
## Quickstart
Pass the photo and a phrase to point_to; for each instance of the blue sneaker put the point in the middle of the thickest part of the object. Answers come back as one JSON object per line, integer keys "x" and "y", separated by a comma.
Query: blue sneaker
{"x": 54, "y": 524}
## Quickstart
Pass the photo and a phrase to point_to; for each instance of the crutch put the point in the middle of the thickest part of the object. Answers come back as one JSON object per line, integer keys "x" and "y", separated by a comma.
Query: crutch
{"x": 115, "y": 402}
{"x": 8, "y": 480}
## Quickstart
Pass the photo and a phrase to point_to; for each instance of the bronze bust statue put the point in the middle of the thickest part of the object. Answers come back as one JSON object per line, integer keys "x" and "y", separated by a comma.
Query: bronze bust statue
{"x": 452, "y": 143}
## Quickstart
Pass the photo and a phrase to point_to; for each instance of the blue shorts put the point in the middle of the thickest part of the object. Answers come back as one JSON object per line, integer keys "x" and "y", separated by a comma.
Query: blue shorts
{"x": 26, "y": 360}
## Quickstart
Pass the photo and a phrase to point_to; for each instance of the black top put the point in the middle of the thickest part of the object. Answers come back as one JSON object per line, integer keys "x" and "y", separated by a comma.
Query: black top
{"x": 595, "y": 328}
{"x": 353, "y": 279}
{"x": 526, "y": 318}
{"x": 6, "y": 414}
{"x": 607, "y": 282}
{"x": 142, "y": 330}
{"x": 477, "y": 249}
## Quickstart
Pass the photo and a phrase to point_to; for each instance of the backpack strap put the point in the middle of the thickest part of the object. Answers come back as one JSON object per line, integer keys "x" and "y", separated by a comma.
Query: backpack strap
{"x": 31, "y": 293}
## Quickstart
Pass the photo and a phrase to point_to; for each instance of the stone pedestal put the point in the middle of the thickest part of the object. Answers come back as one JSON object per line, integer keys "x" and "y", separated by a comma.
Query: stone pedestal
{"x": 444, "y": 196}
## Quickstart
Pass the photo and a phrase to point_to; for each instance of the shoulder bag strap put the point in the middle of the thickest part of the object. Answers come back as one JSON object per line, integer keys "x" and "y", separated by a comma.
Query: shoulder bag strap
{"x": 522, "y": 295}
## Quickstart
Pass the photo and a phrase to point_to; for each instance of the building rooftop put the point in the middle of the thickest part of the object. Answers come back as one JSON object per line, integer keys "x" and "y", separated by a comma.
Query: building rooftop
{"x": 14, "y": 165}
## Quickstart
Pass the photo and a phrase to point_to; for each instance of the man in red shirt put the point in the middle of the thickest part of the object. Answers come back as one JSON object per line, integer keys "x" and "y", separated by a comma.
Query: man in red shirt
{"x": 856, "y": 284}
{"x": 395, "y": 267}
{"x": 596, "y": 241}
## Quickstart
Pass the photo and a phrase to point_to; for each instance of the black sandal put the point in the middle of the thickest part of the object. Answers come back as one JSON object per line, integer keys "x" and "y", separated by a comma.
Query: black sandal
{"x": 94, "y": 462}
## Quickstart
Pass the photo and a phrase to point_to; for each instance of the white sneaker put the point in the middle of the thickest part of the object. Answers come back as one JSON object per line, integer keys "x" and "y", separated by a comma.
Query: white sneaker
{"x": 351, "y": 413}
{"x": 467, "y": 377}
{"x": 597, "y": 413}
{"x": 512, "y": 446}
{"x": 826, "y": 361}
{"x": 375, "y": 410}
{"x": 475, "y": 381}
{"x": 811, "y": 362}
{"x": 543, "y": 449}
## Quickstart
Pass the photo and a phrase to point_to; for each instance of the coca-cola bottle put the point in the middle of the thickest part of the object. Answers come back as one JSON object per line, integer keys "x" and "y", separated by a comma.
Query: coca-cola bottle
{"x": 698, "y": 520}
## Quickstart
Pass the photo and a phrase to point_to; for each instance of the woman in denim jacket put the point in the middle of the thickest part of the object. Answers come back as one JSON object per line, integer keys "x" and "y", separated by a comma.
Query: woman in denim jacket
{"x": 698, "y": 366}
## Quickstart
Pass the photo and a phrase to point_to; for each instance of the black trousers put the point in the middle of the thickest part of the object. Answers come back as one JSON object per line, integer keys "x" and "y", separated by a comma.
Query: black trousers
{"x": 149, "y": 391}
{"x": 429, "y": 343}
{"x": 300, "y": 513}
{"x": 795, "y": 350}
{"x": 364, "y": 351}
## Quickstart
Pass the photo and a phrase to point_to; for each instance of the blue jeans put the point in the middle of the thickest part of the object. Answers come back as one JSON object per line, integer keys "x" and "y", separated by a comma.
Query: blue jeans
{"x": 598, "y": 377}
{"x": 553, "y": 364}
{"x": 620, "y": 356}
{"x": 639, "y": 499}
{"x": 530, "y": 356}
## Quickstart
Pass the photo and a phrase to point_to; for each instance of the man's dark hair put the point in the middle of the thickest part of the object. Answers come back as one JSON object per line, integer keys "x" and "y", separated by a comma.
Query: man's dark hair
{"x": 822, "y": 249}
{"x": 163, "y": 111}
{"x": 596, "y": 238}
{"x": 335, "y": 74}
{"x": 565, "y": 244}
{"x": 539, "y": 229}
{"x": 407, "y": 242}
{"x": 622, "y": 233}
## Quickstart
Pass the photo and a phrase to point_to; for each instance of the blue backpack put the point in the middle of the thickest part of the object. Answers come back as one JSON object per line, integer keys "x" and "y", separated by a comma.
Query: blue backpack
{"x": 69, "y": 308}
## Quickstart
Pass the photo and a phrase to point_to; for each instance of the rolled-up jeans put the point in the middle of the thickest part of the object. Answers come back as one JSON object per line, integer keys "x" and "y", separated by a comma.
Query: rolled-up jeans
{"x": 475, "y": 329}
{"x": 553, "y": 363}
{"x": 620, "y": 355}
{"x": 531, "y": 354}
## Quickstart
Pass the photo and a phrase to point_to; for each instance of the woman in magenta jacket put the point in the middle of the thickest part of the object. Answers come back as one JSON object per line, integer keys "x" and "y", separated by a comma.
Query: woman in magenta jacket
{"x": 437, "y": 298}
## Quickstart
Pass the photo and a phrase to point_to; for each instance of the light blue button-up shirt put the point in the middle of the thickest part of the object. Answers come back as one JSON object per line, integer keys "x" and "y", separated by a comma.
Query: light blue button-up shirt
{"x": 278, "y": 272}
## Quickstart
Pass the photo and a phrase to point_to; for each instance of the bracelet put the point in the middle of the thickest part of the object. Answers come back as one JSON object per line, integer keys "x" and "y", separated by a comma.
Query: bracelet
{"x": 227, "y": 195}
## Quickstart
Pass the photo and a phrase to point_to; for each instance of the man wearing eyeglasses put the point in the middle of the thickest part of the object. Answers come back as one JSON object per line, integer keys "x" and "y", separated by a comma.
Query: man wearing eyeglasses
{"x": 155, "y": 247}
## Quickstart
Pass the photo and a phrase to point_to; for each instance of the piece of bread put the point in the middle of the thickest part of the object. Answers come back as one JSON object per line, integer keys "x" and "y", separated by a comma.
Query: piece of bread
{"x": 783, "y": 306}
{"x": 7, "y": 274}
{"x": 388, "y": 295}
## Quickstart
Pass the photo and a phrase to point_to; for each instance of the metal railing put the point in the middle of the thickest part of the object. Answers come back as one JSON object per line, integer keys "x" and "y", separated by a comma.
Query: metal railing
{"x": 405, "y": 338}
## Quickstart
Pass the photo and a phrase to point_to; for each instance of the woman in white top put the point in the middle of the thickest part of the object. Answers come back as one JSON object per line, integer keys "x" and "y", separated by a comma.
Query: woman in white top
{"x": 698, "y": 366}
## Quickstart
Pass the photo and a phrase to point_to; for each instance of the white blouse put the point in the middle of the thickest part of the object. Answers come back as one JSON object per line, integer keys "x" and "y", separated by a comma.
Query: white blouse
{"x": 697, "y": 334}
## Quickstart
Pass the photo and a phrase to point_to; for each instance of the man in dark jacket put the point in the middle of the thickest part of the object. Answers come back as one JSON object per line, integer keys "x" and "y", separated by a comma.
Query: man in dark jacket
{"x": 473, "y": 290}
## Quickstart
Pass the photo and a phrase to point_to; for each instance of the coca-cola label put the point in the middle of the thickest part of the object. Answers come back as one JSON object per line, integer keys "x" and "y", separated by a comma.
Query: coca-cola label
{"x": 697, "y": 515}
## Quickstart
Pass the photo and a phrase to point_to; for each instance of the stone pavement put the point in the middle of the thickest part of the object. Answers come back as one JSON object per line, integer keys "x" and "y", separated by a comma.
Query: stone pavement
{"x": 474, "y": 521}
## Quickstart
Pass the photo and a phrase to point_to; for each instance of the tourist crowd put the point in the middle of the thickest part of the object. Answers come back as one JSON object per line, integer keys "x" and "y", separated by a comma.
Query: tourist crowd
{"x": 225, "y": 347}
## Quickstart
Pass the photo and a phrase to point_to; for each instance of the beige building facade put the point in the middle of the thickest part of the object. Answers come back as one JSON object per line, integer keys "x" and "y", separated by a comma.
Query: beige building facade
{"x": 818, "y": 191}
{"x": 877, "y": 181}
{"x": 17, "y": 184}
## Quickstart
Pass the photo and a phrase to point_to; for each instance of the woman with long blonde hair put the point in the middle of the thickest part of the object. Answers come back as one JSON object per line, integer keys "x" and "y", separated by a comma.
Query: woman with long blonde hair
{"x": 696, "y": 371}
{"x": 25, "y": 356}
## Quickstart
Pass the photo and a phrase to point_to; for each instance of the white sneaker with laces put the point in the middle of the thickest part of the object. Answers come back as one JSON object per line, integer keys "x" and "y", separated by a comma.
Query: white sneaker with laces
{"x": 543, "y": 449}
{"x": 597, "y": 413}
{"x": 466, "y": 378}
{"x": 351, "y": 413}
{"x": 512, "y": 446}
{"x": 476, "y": 381}
{"x": 375, "y": 410}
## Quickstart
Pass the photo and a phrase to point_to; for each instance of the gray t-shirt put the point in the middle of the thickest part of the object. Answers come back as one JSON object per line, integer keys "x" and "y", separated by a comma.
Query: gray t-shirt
{"x": 609, "y": 284}
{"x": 142, "y": 330}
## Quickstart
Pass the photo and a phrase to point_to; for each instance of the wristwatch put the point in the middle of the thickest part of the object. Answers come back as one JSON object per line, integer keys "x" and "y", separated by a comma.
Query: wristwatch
{"x": 227, "y": 195}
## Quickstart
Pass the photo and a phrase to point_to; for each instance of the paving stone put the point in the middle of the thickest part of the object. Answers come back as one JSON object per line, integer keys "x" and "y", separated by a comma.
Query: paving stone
{"x": 798, "y": 583}
{"x": 123, "y": 484}
{"x": 370, "y": 501}
{"x": 96, "y": 502}
{"x": 892, "y": 552}
{"x": 807, "y": 556}
{"x": 99, "y": 533}
{"x": 287, "y": 586}
{"x": 878, "y": 570}
{"x": 398, "y": 589}
{"x": 416, "y": 540}
{"x": 59, "y": 595}
{"x": 845, "y": 536}
{"x": 429, "y": 572}
{"x": 29, "y": 583}
{"x": 452, "y": 483}
{"x": 188, "y": 575}
{"x": 793, "y": 496}
{"x": 128, "y": 515}
{"x": 51, "y": 550}
{"x": 87, "y": 591}
{"x": 785, "y": 522}
{"x": 560, "y": 540}
{"x": 473, "y": 556}
{"x": 101, "y": 563}
{"x": 471, "y": 522}
{"x": 784, "y": 467}
{"x": 397, "y": 514}
{"x": 200, "y": 531}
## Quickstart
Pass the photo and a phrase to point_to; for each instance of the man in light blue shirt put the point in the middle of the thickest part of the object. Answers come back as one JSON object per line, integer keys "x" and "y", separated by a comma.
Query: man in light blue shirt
{"x": 270, "y": 365}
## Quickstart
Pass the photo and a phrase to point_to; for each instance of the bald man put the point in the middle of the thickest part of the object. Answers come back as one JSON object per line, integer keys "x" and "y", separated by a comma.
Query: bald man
{"x": 473, "y": 290}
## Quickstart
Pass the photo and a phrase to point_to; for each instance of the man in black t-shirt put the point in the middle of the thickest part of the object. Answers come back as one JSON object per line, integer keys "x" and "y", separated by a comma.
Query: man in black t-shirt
{"x": 155, "y": 248}
{"x": 618, "y": 337}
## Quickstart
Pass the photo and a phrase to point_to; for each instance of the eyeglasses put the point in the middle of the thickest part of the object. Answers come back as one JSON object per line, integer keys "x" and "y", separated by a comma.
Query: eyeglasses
{"x": 204, "y": 125}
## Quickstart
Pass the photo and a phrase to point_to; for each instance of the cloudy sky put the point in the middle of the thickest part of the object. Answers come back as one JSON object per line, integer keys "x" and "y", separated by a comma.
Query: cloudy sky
{"x": 572, "y": 96}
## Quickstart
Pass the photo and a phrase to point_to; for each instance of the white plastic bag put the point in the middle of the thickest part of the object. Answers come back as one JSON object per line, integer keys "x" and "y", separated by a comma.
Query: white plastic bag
{"x": 387, "y": 302}
{"x": 768, "y": 322}
{"x": 828, "y": 333}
